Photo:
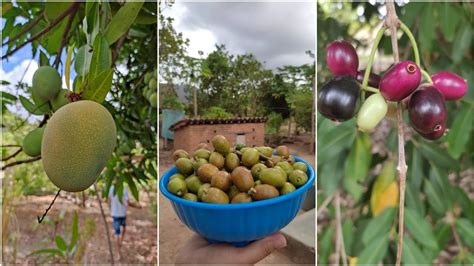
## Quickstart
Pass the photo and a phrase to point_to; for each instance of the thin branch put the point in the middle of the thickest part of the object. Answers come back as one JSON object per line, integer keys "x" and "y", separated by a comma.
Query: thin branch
{"x": 393, "y": 23}
{"x": 32, "y": 24}
{"x": 10, "y": 145}
{"x": 53, "y": 24}
{"x": 47, "y": 209}
{"x": 105, "y": 224}
{"x": 21, "y": 162}
{"x": 65, "y": 37}
{"x": 324, "y": 205}
{"x": 342, "y": 248}
{"x": 119, "y": 45}
{"x": 13, "y": 155}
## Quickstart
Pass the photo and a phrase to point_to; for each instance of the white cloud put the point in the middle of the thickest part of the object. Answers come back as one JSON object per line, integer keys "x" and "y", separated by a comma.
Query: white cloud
{"x": 16, "y": 74}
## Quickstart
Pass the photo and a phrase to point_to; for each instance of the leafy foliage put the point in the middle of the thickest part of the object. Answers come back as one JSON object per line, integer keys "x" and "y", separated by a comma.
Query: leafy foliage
{"x": 437, "y": 206}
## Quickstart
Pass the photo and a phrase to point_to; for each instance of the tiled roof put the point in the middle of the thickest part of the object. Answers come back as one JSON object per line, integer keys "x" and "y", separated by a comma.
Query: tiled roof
{"x": 204, "y": 121}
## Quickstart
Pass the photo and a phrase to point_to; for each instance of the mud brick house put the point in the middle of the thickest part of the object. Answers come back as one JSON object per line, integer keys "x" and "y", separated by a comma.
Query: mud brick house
{"x": 188, "y": 133}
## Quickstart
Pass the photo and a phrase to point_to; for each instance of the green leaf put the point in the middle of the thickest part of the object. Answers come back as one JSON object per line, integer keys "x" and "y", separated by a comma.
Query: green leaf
{"x": 442, "y": 233}
{"x": 462, "y": 43}
{"x": 146, "y": 18}
{"x": 99, "y": 87}
{"x": 101, "y": 57}
{"x": 440, "y": 181}
{"x": 330, "y": 175}
{"x": 44, "y": 60}
{"x": 51, "y": 41}
{"x": 437, "y": 156}
{"x": 460, "y": 131}
{"x": 6, "y": 95}
{"x": 358, "y": 162}
{"x": 413, "y": 199}
{"x": 60, "y": 243}
{"x": 325, "y": 245}
{"x": 354, "y": 188}
{"x": 122, "y": 21}
{"x": 427, "y": 27}
{"x": 434, "y": 198}
{"x": 52, "y": 251}
{"x": 30, "y": 107}
{"x": 334, "y": 141}
{"x": 375, "y": 251}
{"x": 378, "y": 226}
{"x": 416, "y": 168}
{"x": 54, "y": 9}
{"x": 75, "y": 230}
{"x": 467, "y": 205}
{"x": 412, "y": 253}
{"x": 67, "y": 69}
{"x": 132, "y": 186}
{"x": 82, "y": 60}
{"x": 466, "y": 231}
{"x": 92, "y": 9}
{"x": 348, "y": 235}
{"x": 449, "y": 19}
{"x": 420, "y": 229}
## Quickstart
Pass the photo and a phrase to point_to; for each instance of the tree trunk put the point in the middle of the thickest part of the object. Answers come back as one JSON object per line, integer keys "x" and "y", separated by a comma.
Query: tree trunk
{"x": 105, "y": 224}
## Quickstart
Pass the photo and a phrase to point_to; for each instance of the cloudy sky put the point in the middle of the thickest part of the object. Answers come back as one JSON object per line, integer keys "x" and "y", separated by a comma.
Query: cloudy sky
{"x": 278, "y": 33}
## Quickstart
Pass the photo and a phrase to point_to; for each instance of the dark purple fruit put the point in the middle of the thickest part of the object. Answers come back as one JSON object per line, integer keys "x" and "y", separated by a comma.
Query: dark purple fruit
{"x": 427, "y": 112}
{"x": 400, "y": 81}
{"x": 452, "y": 86}
{"x": 374, "y": 79}
{"x": 339, "y": 99}
{"x": 342, "y": 59}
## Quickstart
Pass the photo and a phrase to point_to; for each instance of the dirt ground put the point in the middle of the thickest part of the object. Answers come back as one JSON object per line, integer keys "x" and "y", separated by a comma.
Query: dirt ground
{"x": 174, "y": 234}
{"x": 139, "y": 245}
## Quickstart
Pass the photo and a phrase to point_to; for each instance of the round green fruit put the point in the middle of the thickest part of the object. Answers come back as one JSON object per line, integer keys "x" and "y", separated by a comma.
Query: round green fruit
{"x": 152, "y": 84}
{"x": 153, "y": 100}
{"x": 60, "y": 100}
{"x": 46, "y": 83}
{"x": 32, "y": 142}
{"x": 221, "y": 144}
{"x": 77, "y": 143}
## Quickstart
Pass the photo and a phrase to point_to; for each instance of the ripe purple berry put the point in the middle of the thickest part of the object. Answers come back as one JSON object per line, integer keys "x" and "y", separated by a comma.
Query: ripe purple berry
{"x": 342, "y": 59}
{"x": 427, "y": 112}
{"x": 452, "y": 86}
{"x": 374, "y": 79}
{"x": 400, "y": 81}
{"x": 339, "y": 99}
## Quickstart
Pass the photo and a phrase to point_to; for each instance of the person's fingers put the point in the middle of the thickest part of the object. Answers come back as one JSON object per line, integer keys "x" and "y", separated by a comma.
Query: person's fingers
{"x": 258, "y": 250}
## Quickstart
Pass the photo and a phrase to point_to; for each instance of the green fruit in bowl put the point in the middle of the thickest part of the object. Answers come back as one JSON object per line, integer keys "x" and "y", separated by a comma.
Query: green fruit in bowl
{"x": 273, "y": 176}
{"x": 206, "y": 171}
{"x": 190, "y": 197}
{"x": 202, "y": 189}
{"x": 298, "y": 178}
{"x": 256, "y": 169}
{"x": 264, "y": 191}
{"x": 215, "y": 195}
{"x": 193, "y": 183}
{"x": 287, "y": 188}
{"x": 300, "y": 166}
{"x": 242, "y": 178}
{"x": 232, "y": 161}
{"x": 184, "y": 166}
{"x": 177, "y": 187}
{"x": 221, "y": 144}
{"x": 250, "y": 157}
{"x": 241, "y": 197}
{"x": 221, "y": 180}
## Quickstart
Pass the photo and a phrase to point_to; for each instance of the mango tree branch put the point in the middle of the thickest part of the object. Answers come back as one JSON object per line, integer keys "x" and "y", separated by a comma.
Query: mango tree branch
{"x": 65, "y": 36}
{"x": 21, "y": 162}
{"x": 53, "y": 24}
{"x": 13, "y": 155}
{"x": 392, "y": 22}
{"x": 32, "y": 24}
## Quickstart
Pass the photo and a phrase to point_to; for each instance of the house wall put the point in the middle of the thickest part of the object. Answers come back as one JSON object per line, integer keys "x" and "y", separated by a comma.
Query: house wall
{"x": 189, "y": 137}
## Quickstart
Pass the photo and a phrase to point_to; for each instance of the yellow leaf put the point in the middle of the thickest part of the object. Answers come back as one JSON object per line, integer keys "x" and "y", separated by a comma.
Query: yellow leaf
{"x": 387, "y": 198}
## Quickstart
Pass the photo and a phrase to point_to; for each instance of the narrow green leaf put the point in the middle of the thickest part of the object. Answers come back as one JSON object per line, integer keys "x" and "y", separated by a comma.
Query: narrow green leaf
{"x": 92, "y": 9}
{"x": 467, "y": 205}
{"x": 412, "y": 253}
{"x": 358, "y": 162}
{"x": 460, "y": 131}
{"x": 101, "y": 57}
{"x": 449, "y": 21}
{"x": 355, "y": 189}
{"x": 413, "y": 199}
{"x": 437, "y": 155}
{"x": 122, "y": 20}
{"x": 132, "y": 186}
{"x": 375, "y": 251}
{"x": 462, "y": 43}
{"x": 378, "y": 226}
{"x": 75, "y": 230}
{"x": 146, "y": 18}
{"x": 427, "y": 27}
{"x": 325, "y": 245}
{"x": 82, "y": 60}
{"x": 420, "y": 229}
{"x": 60, "y": 243}
{"x": 439, "y": 179}
{"x": 44, "y": 60}
{"x": 30, "y": 107}
{"x": 53, "y": 9}
{"x": 6, "y": 95}
{"x": 466, "y": 231}
{"x": 67, "y": 69}
{"x": 442, "y": 233}
{"x": 434, "y": 198}
{"x": 330, "y": 176}
{"x": 416, "y": 168}
{"x": 52, "y": 251}
{"x": 348, "y": 235}
{"x": 99, "y": 87}
{"x": 334, "y": 141}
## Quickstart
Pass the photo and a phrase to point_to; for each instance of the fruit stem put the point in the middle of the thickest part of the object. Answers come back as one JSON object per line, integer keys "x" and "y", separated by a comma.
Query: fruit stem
{"x": 413, "y": 42}
{"x": 371, "y": 89}
{"x": 365, "y": 81}
{"x": 426, "y": 76}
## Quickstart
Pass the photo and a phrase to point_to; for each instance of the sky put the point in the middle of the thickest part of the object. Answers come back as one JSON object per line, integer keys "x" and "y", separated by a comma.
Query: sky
{"x": 277, "y": 33}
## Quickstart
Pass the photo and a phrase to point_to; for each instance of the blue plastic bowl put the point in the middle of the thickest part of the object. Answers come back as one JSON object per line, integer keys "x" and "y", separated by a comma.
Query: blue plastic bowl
{"x": 238, "y": 224}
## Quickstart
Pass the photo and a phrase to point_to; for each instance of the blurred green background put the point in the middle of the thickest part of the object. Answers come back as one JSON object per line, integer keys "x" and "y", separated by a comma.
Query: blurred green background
{"x": 439, "y": 206}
